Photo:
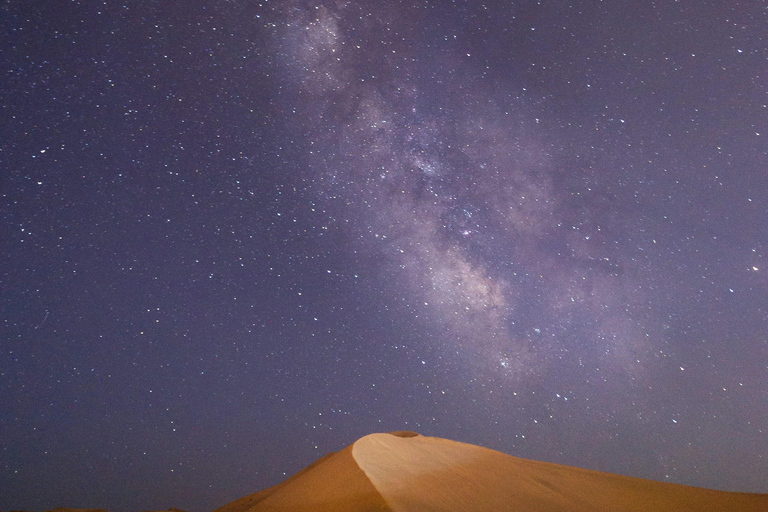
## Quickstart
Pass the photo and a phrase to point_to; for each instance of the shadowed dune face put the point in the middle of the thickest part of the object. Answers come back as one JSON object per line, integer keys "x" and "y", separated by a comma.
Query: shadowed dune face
{"x": 405, "y": 472}
{"x": 404, "y": 433}
{"x": 335, "y": 483}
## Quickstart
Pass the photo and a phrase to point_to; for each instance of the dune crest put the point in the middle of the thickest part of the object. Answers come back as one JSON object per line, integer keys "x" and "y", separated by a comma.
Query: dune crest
{"x": 418, "y": 473}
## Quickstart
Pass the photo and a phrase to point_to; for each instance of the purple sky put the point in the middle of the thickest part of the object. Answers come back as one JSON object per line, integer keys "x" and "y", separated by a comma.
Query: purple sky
{"x": 239, "y": 235}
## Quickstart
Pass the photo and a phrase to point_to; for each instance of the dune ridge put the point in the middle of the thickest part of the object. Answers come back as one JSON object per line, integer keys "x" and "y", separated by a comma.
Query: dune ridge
{"x": 419, "y": 473}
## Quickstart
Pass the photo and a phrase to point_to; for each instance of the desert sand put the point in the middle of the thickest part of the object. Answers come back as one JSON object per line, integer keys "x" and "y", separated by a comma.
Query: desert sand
{"x": 407, "y": 472}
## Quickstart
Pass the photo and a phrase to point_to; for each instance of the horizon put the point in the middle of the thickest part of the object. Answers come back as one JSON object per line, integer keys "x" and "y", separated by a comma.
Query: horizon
{"x": 376, "y": 471}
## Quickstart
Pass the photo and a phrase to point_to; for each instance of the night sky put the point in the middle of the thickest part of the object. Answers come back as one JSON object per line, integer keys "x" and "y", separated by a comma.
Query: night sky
{"x": 238, "y": 235}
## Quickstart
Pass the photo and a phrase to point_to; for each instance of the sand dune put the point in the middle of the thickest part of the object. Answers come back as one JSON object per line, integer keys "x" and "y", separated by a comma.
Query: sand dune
{"x": 406, "y": 472}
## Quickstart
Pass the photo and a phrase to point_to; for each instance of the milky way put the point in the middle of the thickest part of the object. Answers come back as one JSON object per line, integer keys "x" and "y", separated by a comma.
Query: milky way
{"x": 463, "y": 196}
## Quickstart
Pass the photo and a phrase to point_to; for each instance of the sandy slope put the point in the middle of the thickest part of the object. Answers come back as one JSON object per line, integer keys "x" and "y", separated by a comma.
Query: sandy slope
{"x": 406, "y": 472}
{"x": 335, "y": 483}
{"x": 432, "y": 474}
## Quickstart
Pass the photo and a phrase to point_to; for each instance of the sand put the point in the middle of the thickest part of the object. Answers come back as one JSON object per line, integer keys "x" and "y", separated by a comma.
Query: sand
{"x": 335, "y": 483}
{"x": 406, "y": 472}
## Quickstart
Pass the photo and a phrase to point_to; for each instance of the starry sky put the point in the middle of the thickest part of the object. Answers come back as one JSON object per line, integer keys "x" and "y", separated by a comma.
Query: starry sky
{"x": 238, "y": 235}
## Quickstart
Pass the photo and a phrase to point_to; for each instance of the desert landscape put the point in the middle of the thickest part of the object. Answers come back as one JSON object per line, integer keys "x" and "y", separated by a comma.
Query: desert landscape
{"x": 406, "y": 472}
